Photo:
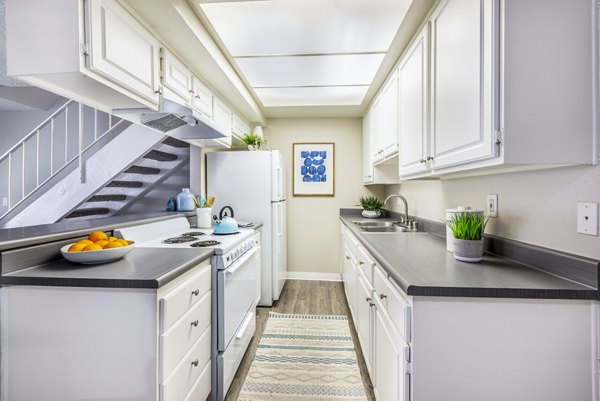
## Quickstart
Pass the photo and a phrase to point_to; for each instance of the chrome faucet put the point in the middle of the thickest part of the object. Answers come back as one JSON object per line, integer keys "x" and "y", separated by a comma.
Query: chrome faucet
{"x": 403, "y": 199}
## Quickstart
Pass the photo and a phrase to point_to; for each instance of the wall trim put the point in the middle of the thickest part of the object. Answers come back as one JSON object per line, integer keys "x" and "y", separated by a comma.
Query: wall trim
{"x": 312, "y": 276}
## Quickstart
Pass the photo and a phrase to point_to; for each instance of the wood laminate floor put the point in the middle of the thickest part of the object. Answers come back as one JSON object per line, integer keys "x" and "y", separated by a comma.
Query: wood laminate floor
{"x": 302, "y": 297}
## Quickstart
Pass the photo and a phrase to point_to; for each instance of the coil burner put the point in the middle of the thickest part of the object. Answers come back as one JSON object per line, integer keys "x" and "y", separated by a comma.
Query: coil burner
{"x": 202, "y": 244}
{"x": 193, "y": 234}
{"x": 178, "y": 240}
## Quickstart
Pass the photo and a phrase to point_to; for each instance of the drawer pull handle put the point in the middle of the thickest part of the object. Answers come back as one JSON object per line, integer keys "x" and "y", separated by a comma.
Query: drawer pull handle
{"x": 195, "y": 323}
{"x": 196, "y": 292}
{"x": 368, "y": 299}
{"x": 371, "y": 304}
{"x": 195, "y": 362}
{"x": 347, "y": 257}
{"x": 382, "y": 296}
{"x": 361, "y": 263}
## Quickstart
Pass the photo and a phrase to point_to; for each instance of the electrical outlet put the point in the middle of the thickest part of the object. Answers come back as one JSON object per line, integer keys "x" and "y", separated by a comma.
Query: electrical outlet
{"x": 587, "y": 218}
{"x": 492, "y": 205}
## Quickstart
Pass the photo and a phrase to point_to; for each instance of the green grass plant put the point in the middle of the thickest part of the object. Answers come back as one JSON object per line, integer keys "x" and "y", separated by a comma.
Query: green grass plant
{"x": 467, "y": 226}
{"x": 370, "y": 203}
{"x": 251, "y": 139}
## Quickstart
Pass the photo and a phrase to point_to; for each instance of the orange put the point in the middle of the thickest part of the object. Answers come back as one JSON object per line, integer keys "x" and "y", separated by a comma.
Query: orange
{"x": 77, "y": 247}
{"x": 98, "y": 236}
{"x": 85, "y": 241}
{"x": 114, "y": 244}
{"x": 111, "y": 239}
{"x": 92, "y": 247}
{"x": 101, "y": 243}
{"x": 123, "y": 242}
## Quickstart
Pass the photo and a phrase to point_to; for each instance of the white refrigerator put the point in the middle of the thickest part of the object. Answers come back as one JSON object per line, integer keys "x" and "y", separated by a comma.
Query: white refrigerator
{"x": 253, "y": 184}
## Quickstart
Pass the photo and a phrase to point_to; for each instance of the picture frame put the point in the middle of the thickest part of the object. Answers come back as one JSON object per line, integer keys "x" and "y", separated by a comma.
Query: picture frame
{"x": 313, "y": 169}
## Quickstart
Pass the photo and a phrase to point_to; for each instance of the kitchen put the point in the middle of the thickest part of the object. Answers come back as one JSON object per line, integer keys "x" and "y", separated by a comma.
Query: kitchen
{"x": 543, "y": 97}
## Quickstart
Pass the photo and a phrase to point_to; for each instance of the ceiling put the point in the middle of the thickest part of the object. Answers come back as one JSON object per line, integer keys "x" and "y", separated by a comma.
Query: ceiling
{"x": 311, "y": 57}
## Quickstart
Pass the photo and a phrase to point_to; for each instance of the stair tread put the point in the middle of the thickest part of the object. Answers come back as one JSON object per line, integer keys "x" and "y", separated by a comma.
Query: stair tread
{"x": 126, "y": 184}
{"x": 107, "y": 198}
{"x": 87, "y": 212}
{"x": 160, "y": 156}
{"x": 176, "y": 143}
{"x": 142, "y": 170}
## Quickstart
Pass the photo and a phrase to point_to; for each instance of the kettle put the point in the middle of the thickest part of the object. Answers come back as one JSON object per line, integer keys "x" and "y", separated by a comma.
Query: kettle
{"x": 224, "y": 224}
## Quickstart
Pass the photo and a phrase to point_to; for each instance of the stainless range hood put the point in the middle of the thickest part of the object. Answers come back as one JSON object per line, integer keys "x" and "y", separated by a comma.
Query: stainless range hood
{"x": 173, "y": 119}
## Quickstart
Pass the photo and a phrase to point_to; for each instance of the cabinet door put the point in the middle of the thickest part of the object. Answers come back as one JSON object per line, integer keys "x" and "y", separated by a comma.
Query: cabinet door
{"x": 377, "y": 128}
{"x": 364, "y": 325}
{"x": 202, "y": 99}
{"x": 390, "y": 378}
{"x": 412, "y": 105}
{"x": 389, "y": 135}
{"x": 222, "y": 119}
{"x": 239, "y": 126}
{"x": 122, "y": 50}
{"x": 367, "y": 150}
{"x": 462, "y": 82}
{"x": 176, "y": 76}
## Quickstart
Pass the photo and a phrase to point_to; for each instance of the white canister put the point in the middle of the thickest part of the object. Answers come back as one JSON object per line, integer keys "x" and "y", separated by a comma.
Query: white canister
{"x": 203, "y": 217}
{"x": 450, "y": 213}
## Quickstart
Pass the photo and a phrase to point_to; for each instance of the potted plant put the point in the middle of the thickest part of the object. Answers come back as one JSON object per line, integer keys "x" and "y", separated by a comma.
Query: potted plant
{"x": 253, "y": 142}
{"x": 467, "y": 228}
{"x": 371, "y": 205}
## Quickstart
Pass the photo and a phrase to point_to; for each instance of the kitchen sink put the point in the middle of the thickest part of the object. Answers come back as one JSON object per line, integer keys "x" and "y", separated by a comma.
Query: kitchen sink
{"x": 390, "y": 229}
{"x": 384, "y": 227}
{"x": 362, "y": 224}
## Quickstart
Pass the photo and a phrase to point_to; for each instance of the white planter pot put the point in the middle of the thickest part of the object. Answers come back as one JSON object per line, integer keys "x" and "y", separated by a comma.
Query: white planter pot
{"x": 371, "y": 214}
{"x": 468, "y": 251}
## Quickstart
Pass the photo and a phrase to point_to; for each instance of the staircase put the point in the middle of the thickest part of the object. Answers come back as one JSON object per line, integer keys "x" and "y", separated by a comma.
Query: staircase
{"x": 135, "y": 181}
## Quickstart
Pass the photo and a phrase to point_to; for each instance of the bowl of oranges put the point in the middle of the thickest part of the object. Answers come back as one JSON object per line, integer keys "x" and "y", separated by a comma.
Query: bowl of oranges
{"x": 97, "y": 248}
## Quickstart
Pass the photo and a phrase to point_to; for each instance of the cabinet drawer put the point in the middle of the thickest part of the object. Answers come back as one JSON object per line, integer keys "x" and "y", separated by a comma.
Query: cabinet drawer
{"x": 178, "y": 340}
{"x": 177, "y": 386}
{"x": 180, "y": 299}
{"x": 352, "y": 243}
{"x": 366, "y": 265}
{"x": 395, "y": 304}
{"x": 201, "y": 389}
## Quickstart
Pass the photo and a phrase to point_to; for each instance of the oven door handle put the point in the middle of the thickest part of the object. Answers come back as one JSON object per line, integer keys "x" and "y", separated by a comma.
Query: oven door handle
{"x": 242, "y": 330}
{"x": 240, "y": 262}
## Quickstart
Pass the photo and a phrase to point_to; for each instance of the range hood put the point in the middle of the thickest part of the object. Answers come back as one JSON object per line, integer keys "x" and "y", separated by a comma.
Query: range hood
{"x": 173, "y": 119}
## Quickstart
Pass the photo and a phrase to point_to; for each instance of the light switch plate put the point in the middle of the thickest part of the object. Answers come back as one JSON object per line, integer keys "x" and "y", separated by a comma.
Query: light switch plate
{"x": 492, "y": 205}
{"x": 587, "y": 218}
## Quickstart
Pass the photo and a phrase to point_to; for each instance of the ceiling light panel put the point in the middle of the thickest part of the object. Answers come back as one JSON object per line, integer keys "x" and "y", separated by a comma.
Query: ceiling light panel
{"x": 312, "y": 96}
{"x": 348, "y": 69}
{"x": 276, "y": 27}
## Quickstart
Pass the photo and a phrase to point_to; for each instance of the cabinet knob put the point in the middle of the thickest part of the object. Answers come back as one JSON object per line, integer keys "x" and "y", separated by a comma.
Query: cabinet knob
{"x": 422, "y": 161}
{"x": 382, "y": 296}
{"x": 361, "y": 263}
{"x": 196, "y": 292}
{"x": 368, "y": 299}
{"x": 195, "y": 323}
{"x": 429, "y": 158}
{"x": 195, "y": 362}
{"x": 347, "y": 257}
{"x": 371, "y": 304}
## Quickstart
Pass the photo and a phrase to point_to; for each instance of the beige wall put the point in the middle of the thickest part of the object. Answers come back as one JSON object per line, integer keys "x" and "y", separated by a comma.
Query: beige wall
{"x": 313, "y": 222}
{"x": 537, "y": 207}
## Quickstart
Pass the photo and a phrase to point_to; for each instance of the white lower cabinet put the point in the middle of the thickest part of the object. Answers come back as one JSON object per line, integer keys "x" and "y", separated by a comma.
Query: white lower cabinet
{"x": 74, "y": 343}
{"x": 455, "y": 349}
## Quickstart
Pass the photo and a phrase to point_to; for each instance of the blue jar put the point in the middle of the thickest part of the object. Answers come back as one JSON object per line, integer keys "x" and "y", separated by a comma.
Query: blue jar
{"x": 171, "y": 205}
{"x": 185, "y": 201}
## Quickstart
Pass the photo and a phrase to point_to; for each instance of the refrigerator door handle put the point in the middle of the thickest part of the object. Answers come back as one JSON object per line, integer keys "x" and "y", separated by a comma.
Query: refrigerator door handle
{"x": 279, "y": 183}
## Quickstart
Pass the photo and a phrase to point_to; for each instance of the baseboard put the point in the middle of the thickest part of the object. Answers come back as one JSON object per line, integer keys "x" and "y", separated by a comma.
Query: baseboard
{"x": 314, "y": 276}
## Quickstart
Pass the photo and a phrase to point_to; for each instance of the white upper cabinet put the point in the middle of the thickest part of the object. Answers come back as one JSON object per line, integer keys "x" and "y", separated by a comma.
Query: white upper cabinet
{"x": 413, "y": 105}
{"x": 202, "y": 98}
{"x": 463, "y": 119}
{"x": 121, "y": 49}
{"x": 389, "y": 134}
{"x": 222, "y": 117}
{"x": 367, "y": 150}
{"x": 239, "y": 127}
{"x": 175, "y": 75}
{"x": 377, "y": 128}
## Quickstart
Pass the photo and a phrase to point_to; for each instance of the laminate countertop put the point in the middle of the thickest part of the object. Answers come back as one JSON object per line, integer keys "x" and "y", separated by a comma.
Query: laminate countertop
{"x": 420, "y": 264}
{"x": 140, "y": 268}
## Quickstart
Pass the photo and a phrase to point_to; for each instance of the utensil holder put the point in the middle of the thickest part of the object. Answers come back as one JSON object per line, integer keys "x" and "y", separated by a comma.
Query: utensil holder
{"x": 204, "y": 217}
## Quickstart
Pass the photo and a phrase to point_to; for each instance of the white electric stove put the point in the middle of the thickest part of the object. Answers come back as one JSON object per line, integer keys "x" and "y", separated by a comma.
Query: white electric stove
{"x": 235, "y": 270}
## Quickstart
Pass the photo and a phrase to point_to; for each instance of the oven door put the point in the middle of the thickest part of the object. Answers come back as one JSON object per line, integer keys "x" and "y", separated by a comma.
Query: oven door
{"x": 236, "y": 295}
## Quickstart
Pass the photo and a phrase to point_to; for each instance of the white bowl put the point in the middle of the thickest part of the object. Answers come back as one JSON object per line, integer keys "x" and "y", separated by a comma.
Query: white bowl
{"x": 99, "y": 256}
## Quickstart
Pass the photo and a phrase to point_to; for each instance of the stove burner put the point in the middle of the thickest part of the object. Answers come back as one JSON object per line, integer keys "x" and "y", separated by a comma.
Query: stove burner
{"x": 178, "y": 240}
{"x": 193, "y": 234}
{"x": 202, "y": 244}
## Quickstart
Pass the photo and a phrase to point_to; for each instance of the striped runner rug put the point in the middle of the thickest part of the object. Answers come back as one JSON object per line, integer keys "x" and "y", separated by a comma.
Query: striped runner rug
{"x": 304, "y": 357}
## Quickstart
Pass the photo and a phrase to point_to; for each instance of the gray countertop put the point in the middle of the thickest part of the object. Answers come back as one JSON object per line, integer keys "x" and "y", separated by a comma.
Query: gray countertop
{"x": 420, "y": 264}
{"x": 141, "y": 268}
{"x": 25, "y": 236}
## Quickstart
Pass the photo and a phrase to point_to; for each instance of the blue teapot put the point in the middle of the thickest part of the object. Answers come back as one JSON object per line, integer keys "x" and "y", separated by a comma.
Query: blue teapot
{"x": 224, "y": 224}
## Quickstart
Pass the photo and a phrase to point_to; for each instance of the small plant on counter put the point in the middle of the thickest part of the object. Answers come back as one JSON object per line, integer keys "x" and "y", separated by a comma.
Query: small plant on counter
{"x": 253, "y": 142}
{"x": 371, "y": 205}
{"x": 468, "y": 228}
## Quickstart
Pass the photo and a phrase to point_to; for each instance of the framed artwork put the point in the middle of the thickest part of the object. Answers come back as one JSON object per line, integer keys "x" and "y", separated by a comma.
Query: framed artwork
{"x": 313, "y": 167}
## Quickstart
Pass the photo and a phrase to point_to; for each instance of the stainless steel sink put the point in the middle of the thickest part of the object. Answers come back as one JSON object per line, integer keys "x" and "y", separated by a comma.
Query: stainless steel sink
{"x": 376, "y": 223}
{"x": 388, "y": 229}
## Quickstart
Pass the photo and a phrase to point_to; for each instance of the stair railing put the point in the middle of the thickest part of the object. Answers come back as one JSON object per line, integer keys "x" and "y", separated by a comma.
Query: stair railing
{"x": 61, "y": 139}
